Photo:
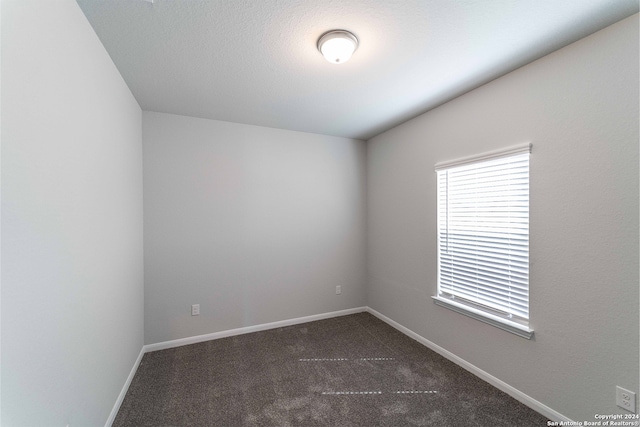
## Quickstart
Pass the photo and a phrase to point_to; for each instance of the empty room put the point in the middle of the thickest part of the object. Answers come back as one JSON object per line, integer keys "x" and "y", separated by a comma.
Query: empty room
{"x": 319, "y": 213}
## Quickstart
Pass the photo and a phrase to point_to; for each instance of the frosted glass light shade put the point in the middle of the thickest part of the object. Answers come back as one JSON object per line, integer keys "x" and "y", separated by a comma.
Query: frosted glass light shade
{"x": 337, "y": 46}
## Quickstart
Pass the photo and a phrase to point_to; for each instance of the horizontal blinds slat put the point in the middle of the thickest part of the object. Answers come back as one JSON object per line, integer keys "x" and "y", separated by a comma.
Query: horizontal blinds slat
{"x": 499, "y": 257}
{"x": 483, "y": 233}
{"x": 515, "y": 278}
{"x": 506, "y": 175}
{"x": 488, "y": 258}
{"x": 462, "y": 283}
{"x": 468, "y": 284}
{"x": 519, "y": 300}
{"x": 489, "y": 239}
{"x": 493, "y": 235}
{"x": 492, "y": 227}
{"x": 484, "y": 295}
{"x": 487, "y": 184}
{"x": 489, "y": 255}
{"x": 512, "y": 271}
{"x": 505, "y": 285}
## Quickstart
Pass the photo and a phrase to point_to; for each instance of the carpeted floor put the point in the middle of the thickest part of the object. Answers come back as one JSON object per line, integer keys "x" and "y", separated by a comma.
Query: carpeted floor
{"x": 347, "y": 371}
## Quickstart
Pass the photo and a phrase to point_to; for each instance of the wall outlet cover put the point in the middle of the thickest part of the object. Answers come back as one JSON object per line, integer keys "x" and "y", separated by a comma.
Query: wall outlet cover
{"x": 626, "y": 399}
{"x": 195, "y": 309}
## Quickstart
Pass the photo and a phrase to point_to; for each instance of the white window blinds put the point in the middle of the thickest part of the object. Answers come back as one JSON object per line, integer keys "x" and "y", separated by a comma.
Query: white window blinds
{"x": 483, "y": 236}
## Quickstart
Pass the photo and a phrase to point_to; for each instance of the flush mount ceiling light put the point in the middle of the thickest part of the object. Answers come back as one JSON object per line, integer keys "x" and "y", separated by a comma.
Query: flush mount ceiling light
{"x": 337, "y": 46}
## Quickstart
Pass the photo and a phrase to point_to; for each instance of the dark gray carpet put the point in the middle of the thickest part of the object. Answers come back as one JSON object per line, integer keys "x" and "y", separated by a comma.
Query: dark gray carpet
{"x": 347, "y": 371}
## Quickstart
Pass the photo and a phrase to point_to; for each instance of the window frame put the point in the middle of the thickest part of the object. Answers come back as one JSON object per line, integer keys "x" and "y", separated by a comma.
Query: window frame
{"x": 508, "y": 322}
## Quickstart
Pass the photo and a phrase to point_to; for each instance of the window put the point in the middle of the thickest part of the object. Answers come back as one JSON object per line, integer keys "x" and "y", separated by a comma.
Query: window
{"x": 483, "y": 238}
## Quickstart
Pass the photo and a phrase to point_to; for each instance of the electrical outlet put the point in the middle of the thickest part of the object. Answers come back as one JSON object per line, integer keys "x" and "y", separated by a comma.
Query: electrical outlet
{"x": 195, "y": 309}
{"x": 338, "y": 290}
{"x": 626, "y": 399}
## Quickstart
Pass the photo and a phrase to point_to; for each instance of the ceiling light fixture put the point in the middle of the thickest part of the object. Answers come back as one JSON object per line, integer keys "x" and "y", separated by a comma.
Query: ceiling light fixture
{"x": 337, "y": 46}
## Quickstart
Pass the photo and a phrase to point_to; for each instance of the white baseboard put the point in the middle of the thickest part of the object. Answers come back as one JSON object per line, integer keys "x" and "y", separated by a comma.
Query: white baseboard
{"x": 125, "y": 388}
{"x": 499, "y": 384}
{"x": 217, "y": 335}
{"x": 256, "y": 328}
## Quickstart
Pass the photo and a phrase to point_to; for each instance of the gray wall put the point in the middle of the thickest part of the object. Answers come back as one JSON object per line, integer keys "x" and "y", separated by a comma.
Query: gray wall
{"x": 254, "y": 224}
{"x": 260, "y": 225}
{"x": 72, "y": 267}
{"x": 579, "y": 108}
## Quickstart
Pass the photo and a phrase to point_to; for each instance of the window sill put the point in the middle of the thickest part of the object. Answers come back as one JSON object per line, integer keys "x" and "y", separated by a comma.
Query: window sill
{"x": 498, "y": 322}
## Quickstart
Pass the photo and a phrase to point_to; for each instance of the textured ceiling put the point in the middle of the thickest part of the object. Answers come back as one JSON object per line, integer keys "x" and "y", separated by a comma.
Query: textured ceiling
{"x": 256, "y": 62}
